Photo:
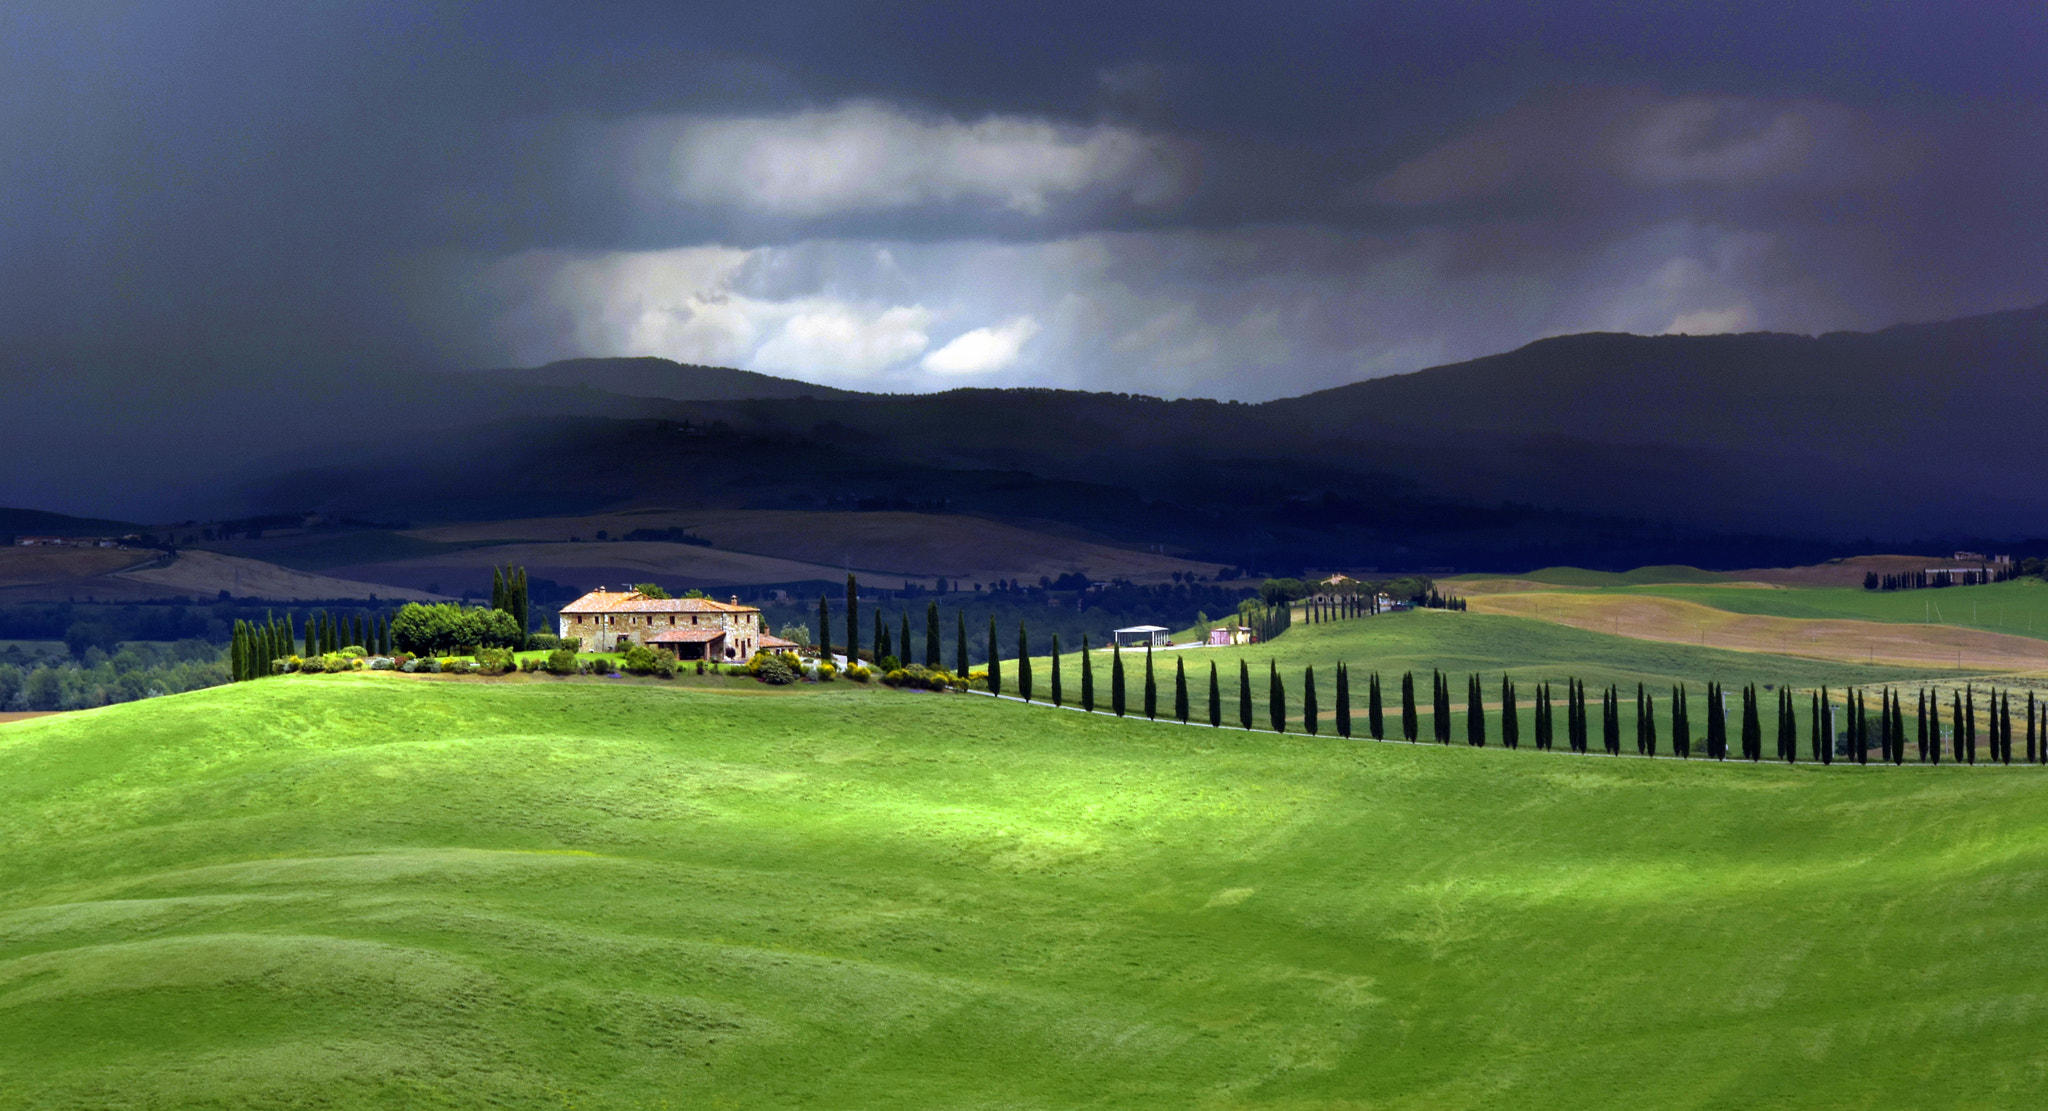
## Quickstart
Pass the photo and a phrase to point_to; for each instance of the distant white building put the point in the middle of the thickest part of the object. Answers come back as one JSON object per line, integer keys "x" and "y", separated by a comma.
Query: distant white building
{"x": 1141, "y": 635}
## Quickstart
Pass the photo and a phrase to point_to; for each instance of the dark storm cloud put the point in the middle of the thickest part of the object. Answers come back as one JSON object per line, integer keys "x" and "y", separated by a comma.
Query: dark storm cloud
{"x": 1238, "y": 201}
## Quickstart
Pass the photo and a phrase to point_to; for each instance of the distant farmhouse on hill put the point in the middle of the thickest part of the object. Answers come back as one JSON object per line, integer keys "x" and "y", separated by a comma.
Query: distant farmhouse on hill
{"x": 692, "y": 628}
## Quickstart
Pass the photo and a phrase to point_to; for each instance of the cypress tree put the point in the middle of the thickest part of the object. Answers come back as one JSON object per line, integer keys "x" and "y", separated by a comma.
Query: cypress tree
{"x": 960, "y": 645}
{"x": 1610, "y": 720}
{"x": 238, "y": 657}
{"x": 1180, "y": 690}
{"x": 1056, "y": 700}
{"x": 1639, "y": 720}
{"x": 1752, "y": 726}
{"x": 2005, "y": 728}
{"x": 1717, "y": 722}
{"x": 1920, "y": 721}
{"x": 1546, "y": 721}
{"x": 1970, "y": 723}
{"x": 1818, "y": 748}
{"x": 880, "y": 645}
{"x": 384, "y": 633}
{"x": 931, "y": 636}
{"x": 1116, "y": 678}
{"x": 1375, "y": 711}
{"x": 1023, "y": 661}
{"x": 1788, "y": 728}
{"x": 1215, "y": 699}
{"x": 1410, "y": 727}
{"x": 497, "y": 588}
{"x": 1087, "y": 678}
{"x": 1344, "y": 703}
{"x": 1898, "y": 729}
{"x": 1955, "y": 731}
{"x": 1575, "y": 721}
{"x": 1440, "y": 709}
{"x": 1475, "y": 712}
{"x": 903, "y": 642}
{"x": 1681, "y": 722}
{"x": 1510, "y": 715}
{"x": 995, "y": 659}
{"x": 1276, "y": 698}
{"x": 853, "y": 622}
{"x": 2033, "y": 751}
{"x": 1244, "y": 694}
{"x": 1151, "y": 687}
{"x": 1649, "y": 724}
{"x": 1862, "y": 723}
{"x": 312, "y": 634}
{"x": 525, "y": 614}
{"x": 825, "y": 627}
{"x": 1309, "y": 710}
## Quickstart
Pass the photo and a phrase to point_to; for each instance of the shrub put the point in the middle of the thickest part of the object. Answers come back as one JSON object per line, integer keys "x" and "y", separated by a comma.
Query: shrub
{"x": 336, "y": 662}
{"x": 381, "y": 663}
{"x": 827, "y": 671}
{"x": 442, "y": 627}
{"x": 859, "y": 673}
{"x": 455, "y": 667}
{"x": 774, "y": 672}
{"x": 313, "y": 666}
{"x": 918, "y": 677}
{"x": 642, "y": 660}
{"x": 562, "y": 661}
{"x": 409, "y": 666}
{"x": 887, "y": 664}
{"x": 354, "y": 652}
{"x": 496, "y": 661}
{"x": 573, "y": 644}
{"x": 543, "y": 642}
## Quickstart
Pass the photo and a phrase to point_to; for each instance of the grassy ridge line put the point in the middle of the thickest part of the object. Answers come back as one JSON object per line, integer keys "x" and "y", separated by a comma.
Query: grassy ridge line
{"x": 350, "y": 893}
{"x": 2018, "y": 608}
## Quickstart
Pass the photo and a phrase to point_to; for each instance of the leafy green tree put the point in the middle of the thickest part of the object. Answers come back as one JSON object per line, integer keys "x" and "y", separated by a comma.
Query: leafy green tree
{"x": 654, "y": 590}
{"x": 443, "y": 627}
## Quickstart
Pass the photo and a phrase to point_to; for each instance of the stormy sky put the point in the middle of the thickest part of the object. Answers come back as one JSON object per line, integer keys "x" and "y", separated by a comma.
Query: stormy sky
{"x": 1229, "y": 200}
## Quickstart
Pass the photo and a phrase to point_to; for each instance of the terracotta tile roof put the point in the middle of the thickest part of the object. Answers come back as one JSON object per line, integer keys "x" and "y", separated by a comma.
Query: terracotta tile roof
{"x": 686, "y": 636}
{"x": 769, "y": 640}
{"x": 604, "y": 601}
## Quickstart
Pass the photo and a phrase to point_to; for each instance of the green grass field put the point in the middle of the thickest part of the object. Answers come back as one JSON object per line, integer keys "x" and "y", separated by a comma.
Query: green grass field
{"x": 380, "y": 891}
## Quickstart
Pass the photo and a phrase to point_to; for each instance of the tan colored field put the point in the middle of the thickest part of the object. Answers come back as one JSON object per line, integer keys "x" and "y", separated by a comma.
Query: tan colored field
{"x": 26, "y": 566}
{"x": 1646, "y": 617}
{"x": 205, "y": 574}
{"x": 1842, "y": 572}
{"x": 616, "y": 562}
{"x": 913, "y": 545}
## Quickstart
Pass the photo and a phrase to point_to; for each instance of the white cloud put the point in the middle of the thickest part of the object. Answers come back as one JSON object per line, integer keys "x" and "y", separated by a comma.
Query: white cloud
{"x": 839, "y": 339}
{"x": 983, "y": 349}
{"x": 867, "y": 156}
{"x": 1712, "y": 322}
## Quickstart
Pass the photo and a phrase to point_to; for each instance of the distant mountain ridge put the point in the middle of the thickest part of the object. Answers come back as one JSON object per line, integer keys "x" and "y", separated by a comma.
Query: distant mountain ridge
{"x": 663, "y": 379}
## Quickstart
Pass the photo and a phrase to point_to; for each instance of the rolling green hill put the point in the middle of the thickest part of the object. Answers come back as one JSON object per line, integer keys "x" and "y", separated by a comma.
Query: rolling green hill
{"x": 374, "y": 891}
{"x": 2019, "y": 607}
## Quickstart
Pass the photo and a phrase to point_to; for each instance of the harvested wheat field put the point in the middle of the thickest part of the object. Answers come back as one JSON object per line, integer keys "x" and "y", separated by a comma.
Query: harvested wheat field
{"x": 1667, "y": 619}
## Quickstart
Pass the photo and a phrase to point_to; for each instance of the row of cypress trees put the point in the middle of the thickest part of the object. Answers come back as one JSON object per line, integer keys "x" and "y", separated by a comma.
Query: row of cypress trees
{"x": 1887, "y": 736}
{"x": 508, "y": 593}
{"x": 254, "y": 645}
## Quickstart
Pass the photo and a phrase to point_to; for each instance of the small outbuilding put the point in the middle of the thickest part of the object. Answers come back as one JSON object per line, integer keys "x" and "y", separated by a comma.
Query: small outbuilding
{"x": 1223, "y": 635}
{"x": 1138, "y": 636}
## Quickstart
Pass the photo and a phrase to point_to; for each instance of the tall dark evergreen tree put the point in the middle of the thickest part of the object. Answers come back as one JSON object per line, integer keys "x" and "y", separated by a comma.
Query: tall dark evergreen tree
{"x": 1087, "y": 678}
{"x": 1056, "y": 692}
{"x": 1375, "y": 709}
{"x": 1546, "y": 718}
{"x": 1440, "y": 710}
{"x": 1475, "y": 712}
{"x": 995, "y": 659}
{"x": 1510, "y": 715}
{"x": 1215, "y": 699}
{"x": 1970, "y": 724}
{"x": 238, "y": 654}
{"x": 1862, "y": 724}
{"x": 1344, "y": 703}
{"x": 931, "y": 636}
{"x": 880, "y": 645}
{"x": 1411, "y": 728}
{"x": 1610, "y": 721}
{"x": 853, "y": 622}
{"x": 2004, "y": 726}
{"x": 524, "y": 601}
{"x": 960, "y": 645}
{"x": 1244, "y": 694}
{"x": 1717, "y": 722}
{"x": 903, "y": 642}
{"x": 1640, "y": 722}
{"x": 825, "y": 628}
{"x": 1276, "y": 698}
{"x": 1151, "y": 687}
{"x": 2033, "y": 748}
{"x": 1180, "y": 690}
{"x": 1023, "y": 661}
{"x": 1752, "y": 726}
{"x": 497, "y": 588}
{"x": 1309, "y": 709}
{"x": 1920, "y": 722}
{"x": 1116, "y": 677}
{"x": 1649, "y": 724}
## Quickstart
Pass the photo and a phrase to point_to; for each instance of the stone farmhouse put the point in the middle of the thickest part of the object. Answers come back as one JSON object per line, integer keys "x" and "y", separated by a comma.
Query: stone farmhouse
{"x": 692, "y": 628}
